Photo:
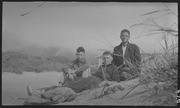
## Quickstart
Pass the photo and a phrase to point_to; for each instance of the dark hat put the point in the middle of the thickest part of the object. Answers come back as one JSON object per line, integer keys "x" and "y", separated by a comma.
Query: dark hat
{"x": 107, "y": 53}
{"x": 80, "y": 49}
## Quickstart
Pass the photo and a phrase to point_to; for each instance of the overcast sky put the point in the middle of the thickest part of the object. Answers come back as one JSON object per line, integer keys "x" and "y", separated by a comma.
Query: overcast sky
{"x": 73, "y": 24}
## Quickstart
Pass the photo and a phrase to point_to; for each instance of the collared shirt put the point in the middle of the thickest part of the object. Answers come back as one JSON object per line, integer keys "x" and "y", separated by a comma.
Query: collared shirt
{"x": 124, "y": 50}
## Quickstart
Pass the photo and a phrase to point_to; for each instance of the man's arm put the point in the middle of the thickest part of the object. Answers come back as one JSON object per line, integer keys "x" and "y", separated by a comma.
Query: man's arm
{"x": 71, "y": 65}
{"x": 116, "y": 76}
{"x": 79, "y": 70}
{"x": 114, "y": 57}
{"x": 99, "y": 73}
{"x": 137, "y": 56}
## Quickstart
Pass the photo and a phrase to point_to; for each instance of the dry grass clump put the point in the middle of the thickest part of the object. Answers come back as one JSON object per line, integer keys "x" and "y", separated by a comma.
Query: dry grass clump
{"x": 165, "y": 74}
{"x": 162, "y": 68}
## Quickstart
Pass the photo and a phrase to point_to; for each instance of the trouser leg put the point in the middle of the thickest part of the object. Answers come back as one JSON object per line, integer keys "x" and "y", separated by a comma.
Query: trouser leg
{"x": 48, "y": 94}
{"x": 37, "y": 93}
{"x": 62, "y": 78}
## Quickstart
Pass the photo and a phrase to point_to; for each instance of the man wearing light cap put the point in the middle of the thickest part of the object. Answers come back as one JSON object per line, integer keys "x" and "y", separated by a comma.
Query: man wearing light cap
{"x": 78, "y": 68}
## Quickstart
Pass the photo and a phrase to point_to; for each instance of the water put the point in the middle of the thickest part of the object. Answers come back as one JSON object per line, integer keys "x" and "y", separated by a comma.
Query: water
{"x": 14, "y": 85}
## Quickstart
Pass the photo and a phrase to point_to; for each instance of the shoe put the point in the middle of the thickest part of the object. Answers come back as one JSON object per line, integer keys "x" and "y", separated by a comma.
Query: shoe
{"x": 34, "y": 92}
{"x": 29, "y": 90}
{"x": 60, "y": 84}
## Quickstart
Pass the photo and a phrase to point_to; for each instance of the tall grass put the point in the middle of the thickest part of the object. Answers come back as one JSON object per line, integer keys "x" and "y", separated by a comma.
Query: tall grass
{"x": 162, "y": 67}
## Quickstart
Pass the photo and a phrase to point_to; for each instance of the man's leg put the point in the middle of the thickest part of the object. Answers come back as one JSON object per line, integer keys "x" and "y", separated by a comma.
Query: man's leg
{"x": 86, "y": 73}
{"x": 65, "y": 77}
{"x": 34, "y": 92}
{"x": 118, "y": 76}
{"x": 84, "y": 83}
{"x": 131, "y": 74}
{"x": 61, "y": 93}
{"x": 40, "y": 91}
{"x": 62, "y": 78}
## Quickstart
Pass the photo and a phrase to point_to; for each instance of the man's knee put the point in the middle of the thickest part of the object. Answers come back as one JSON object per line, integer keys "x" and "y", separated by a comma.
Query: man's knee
{"x": 86, "y": 73}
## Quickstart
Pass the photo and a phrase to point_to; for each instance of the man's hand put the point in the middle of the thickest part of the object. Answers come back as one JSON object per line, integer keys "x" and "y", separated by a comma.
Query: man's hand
{"x": 127, "y": 69}
{"x": 103, "y": 83}
{"x": 71, "y": 77}
{"x": 127, "y": 75}
{"x": 70, "y": 71}
{"x": 107, "y": 83}
{"x": 127, "y": 62}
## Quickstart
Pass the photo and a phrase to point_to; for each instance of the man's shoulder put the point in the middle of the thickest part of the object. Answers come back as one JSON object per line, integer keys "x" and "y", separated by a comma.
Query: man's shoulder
{"x": 75, "y": 61}
{"x": 114, "y": 66}
{"x": 85, "y": 61}
{"x": 116, "y": 47}
{"x": 133, "y": 45}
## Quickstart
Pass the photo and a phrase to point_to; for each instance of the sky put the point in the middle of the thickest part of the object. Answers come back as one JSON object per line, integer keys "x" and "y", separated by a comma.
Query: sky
{"x": 69, "y": 25}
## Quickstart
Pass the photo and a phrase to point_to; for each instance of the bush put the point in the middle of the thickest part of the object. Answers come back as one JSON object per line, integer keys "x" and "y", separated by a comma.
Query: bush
{"x": 18, "y": 63}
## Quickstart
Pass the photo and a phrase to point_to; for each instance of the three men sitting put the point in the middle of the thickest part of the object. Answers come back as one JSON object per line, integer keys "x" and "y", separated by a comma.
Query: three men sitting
{"x": 68, "y": 90}
{"x": 122, "y": 64}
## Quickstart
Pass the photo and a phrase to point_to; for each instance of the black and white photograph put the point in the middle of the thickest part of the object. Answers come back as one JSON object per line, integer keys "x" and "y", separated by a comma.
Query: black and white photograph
{"x": 89, "y": 53}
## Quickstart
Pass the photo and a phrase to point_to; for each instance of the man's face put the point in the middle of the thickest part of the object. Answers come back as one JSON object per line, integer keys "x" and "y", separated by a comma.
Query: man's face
{"x": 107, "y": 59}
{"x": 80, "y": 55}
{"x": 124, "y": 37}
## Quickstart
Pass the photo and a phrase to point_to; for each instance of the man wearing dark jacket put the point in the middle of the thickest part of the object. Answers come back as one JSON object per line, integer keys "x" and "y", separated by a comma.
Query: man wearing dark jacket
{"x": 106, "y": 72}
{"x": 127, "y": 56}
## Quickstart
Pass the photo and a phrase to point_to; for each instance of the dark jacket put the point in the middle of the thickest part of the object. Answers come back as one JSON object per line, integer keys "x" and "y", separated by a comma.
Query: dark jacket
{"x": 132, "y": 54}
{"x": 110, "y": 70}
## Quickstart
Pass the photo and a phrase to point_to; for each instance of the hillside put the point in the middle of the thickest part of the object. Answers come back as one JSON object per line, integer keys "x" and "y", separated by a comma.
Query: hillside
{"x": 17, "y": 62}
